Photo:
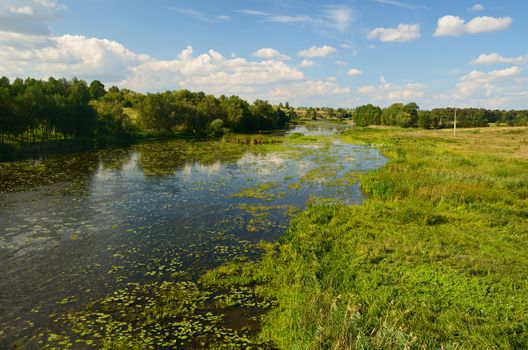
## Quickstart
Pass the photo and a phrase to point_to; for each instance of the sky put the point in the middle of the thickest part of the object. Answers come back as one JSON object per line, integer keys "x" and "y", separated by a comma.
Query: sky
{"x": 309, "y": 53}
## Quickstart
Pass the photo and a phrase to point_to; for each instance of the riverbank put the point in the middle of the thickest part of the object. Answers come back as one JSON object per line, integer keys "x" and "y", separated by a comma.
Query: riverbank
{"x": 436, "y": 258}
{"x": 20, "y": 151}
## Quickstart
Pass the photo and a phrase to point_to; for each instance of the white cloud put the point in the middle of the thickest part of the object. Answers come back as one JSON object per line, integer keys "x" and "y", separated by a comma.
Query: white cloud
{"x": 456, "y": 26}
{"x": 487, "y": 24}
{"x": 331, "y": 17}
{"x": 210, "y": 72}
{"x": 354, "y": 72}
{"x": 70, "y": 55}
{"x": 22, "y": 41}
{"x": 477, "y": 82}
{"x": 201, "y": 16}
{"x": 503, "y": 89}
{"x": 223, "y": 18}
{"x": 307, "y": 64}
{"x": 339, "y": 16}
{"x": 450, "y": 26}
{"x": 24, "y": 10}
{"x": 289, "y": 19}
{"x": 310, "y": 88}
{"x": 270, "y": 54}
{"x": 477, "y": 8}
{"x": 389, "y": 93}
{"x": 28, "y": 16}
{"x": 52, "y": 4}
{"x": 494, "y": 58}
{"x": 341, "y": 63}
{"x": 403, "y": 33}
{"x": 253, "y": 12}
{"x": 317, "y": 51}
{"x": 109, "y": 61}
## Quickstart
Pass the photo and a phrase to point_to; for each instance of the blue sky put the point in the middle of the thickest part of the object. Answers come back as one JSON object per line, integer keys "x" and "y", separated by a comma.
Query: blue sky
{"x": 340, "y": 54}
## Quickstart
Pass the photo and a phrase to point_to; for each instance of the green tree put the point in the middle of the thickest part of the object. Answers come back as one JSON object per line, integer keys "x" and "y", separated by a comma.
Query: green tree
{"x": 424, "y": 119}
{"x": 157, "y": 113}
{"x": 367, "y": 115}
{"x": 238, "y": 114}
{"x": 96, "y": 90}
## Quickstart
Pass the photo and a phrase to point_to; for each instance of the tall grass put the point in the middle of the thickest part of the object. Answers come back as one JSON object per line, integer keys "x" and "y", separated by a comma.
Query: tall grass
{"x": 437, "y": 258}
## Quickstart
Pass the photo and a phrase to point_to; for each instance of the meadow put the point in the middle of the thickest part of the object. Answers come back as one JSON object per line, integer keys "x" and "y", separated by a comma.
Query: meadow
{"x": 434, "y": 259}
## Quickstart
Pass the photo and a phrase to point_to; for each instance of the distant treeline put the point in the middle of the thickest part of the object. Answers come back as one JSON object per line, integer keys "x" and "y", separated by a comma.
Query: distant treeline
{"x": 57, "y": 109}
{"x": 324, "y": 112}
{"x": 410, "y": 115}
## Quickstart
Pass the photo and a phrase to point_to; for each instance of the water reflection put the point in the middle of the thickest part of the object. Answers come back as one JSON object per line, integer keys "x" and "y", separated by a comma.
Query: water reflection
{"x": 323, "y": 129}
{"x": 74, "y": 228}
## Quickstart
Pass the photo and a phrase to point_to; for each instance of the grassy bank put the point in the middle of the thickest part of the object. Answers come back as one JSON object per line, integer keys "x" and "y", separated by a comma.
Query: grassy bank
{"x": 436, "y": 258}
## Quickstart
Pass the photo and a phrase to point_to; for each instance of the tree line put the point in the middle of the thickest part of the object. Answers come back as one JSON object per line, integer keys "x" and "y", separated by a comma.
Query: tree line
{"x": 34, "y": 110}
{"x": 324, "y": 113}
{"x": 410, "y": 115}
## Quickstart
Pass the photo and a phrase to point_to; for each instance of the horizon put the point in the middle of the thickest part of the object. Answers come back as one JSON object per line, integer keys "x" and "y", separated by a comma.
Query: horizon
{"x": 350, "y": 53}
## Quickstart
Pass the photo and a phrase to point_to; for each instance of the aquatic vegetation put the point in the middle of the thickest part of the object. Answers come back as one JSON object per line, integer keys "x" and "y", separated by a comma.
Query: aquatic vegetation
{"x": 260, "y": 191}
{"x": 165, "y": 315}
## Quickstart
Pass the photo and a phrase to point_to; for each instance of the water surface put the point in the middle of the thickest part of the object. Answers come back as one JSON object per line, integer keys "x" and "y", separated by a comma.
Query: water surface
{"x": 77, "y": 227}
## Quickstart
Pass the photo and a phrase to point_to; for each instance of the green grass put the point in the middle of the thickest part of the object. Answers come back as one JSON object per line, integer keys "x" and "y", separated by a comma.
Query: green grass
{"x": 435, "y": 259}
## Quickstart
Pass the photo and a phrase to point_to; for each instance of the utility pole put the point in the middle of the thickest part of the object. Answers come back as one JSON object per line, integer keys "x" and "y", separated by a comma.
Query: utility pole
{"x": 454, "y": 125}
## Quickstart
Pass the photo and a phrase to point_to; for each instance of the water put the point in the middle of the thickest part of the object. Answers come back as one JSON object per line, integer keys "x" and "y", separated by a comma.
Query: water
{"x": 75, "y": 228}
{"x": 320, "y": 129}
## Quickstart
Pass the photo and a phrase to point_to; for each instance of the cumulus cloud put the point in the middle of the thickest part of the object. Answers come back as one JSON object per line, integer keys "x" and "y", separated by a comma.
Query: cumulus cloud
{"x": 390, "y": 93}
{"x": 354, "y": 72}
{"x": 503, "y": 88}
{"x": 270, "y": 54}
{"x": 317, "y": 51}
{"x": 477, "y": 82}
{"x": 111, "y": 62}
{"x": 307, "y": 91}
{"x": 210, "y": 72}
{"x": 307, "y": 63}
{"x": 456, "y": 26}
{"x": 402, "y": 33}
{"x": 69, "y": 55}
{"x": 494, "y": 58}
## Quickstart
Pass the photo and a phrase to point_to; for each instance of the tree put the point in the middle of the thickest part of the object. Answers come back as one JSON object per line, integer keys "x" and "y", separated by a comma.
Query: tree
{"x": 424, "y": 119}
{"x": 238, "y": 114}
{"x": 368, "y": 115}
{"x": 401, "y": 115}
{"x": 311, "y": 114}
{"x": 216, "y": 128}
{"x": 264, "y": 116}
{"x": 157, "y": 113}
{"x": 96, "y": 90}
{"x": 6, "y": 110}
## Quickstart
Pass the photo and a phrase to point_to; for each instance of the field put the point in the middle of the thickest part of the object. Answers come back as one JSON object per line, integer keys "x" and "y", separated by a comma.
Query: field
{"x": 435, "y": 259}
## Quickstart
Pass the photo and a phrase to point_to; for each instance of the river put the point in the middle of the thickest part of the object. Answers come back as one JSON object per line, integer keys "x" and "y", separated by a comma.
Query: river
{"x": 77, "y": 227}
